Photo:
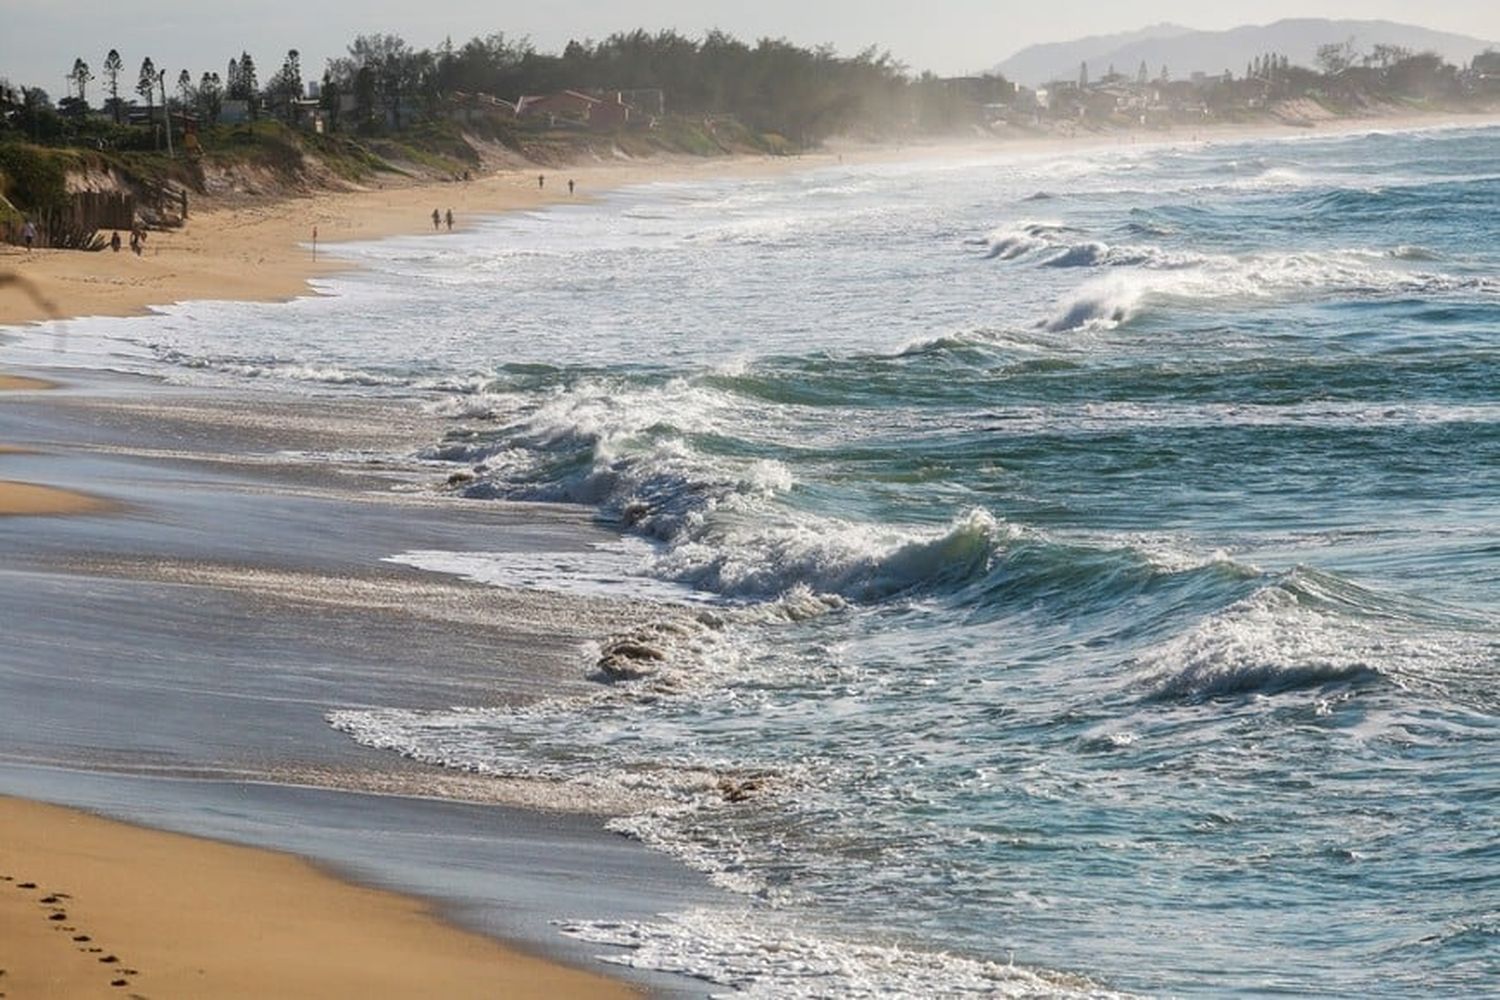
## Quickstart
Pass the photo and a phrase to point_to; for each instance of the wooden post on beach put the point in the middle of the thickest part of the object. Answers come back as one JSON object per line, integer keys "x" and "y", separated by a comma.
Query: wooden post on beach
{"x": 166, "y": 112}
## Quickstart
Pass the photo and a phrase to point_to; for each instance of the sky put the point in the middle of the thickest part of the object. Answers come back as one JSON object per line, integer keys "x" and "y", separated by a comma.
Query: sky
{"x": 39, "y": 39}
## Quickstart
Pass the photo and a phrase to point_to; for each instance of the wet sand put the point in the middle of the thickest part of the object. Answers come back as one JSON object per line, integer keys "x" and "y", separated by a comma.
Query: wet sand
{"x": 90, "y": 907}
{"x": 171, "y": 662}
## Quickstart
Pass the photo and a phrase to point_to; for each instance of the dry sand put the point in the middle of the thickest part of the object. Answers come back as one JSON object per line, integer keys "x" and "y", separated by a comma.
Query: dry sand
{"x": 28, "y": 498}
{"x": 90, "y": 907}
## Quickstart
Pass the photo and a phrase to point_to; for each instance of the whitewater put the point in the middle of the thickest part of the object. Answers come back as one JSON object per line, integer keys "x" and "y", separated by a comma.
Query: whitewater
{"x": 1077, "y": 574}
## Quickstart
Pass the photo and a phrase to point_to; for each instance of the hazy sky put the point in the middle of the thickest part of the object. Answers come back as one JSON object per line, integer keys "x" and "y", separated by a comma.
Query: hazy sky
{"x": 40, "y": 38}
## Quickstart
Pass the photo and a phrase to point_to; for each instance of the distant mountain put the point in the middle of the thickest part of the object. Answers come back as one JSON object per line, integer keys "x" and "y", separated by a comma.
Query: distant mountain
{"x": 1184, "y": 51}
{"x": 1041, "y": 63}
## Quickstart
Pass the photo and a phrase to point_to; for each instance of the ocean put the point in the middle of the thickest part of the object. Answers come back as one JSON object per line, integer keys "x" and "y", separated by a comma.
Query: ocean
{"x": 1078, "y": 573}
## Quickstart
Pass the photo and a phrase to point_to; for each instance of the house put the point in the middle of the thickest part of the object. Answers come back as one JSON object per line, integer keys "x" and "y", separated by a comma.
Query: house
{"x": 567, "y": 104}
{"x": 604, "y": 113}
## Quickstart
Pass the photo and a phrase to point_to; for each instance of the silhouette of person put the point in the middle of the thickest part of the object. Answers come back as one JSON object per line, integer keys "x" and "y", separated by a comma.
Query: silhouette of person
{"x": 437, "y": 220}
{"x": 449, "y": 219}
{"x": 570, "y": 185}
{"x": 541, "y": 181}
{"x": 114, "y": 241}
{"x": 28, "y": 233}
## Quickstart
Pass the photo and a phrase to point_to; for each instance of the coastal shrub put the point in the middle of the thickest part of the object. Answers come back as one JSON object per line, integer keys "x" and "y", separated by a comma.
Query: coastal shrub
{"x": 33, "y": 179}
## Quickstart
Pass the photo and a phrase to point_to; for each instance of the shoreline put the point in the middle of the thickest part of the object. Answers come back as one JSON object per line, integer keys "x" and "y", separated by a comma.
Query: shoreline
{"x": 178, "y": 732}
{"x": 262, "y": 251}
{"x": 92, "y": 906}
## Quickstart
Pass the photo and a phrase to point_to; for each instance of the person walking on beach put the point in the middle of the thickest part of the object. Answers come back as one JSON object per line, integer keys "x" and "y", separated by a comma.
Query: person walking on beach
{"x": 437, "y": 221}
{"x": 570, "y": 186}
{"x": 114, "y": 241}
{"x": 135, "y": 242}
{"x": 449, "y": 219}
{"x": 541, "y": 181}
{"x": 28, "y": 233}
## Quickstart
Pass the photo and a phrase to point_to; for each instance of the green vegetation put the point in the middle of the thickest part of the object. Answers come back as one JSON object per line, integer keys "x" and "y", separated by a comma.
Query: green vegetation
{"x": 34, "y": 178}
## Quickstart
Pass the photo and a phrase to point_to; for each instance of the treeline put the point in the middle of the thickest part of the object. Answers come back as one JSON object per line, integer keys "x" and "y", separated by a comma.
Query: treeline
{"x": 382, "y": 83}
{"x": 805, "y": 94}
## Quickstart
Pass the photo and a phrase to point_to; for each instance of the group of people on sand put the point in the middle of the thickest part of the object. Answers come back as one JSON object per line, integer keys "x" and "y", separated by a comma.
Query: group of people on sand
{"x": 137, "y": 241}
{"x": 439, "y": 219}
{"x": 137, "y": 237}
{"x": 541, "y": 182}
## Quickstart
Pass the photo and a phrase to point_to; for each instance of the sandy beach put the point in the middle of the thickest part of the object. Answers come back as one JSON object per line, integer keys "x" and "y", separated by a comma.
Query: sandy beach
{"x": 155, "y": 591}
{"x": 264, "y": 251}
{"x": 90, "y": 907}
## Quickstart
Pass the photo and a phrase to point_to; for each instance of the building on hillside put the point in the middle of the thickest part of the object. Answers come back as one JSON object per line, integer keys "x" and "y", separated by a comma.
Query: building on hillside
{"x": 604, "y": 113}
{"x": 648, "y": 101}
{"x": 566, "y": 104}
{"x": 234, "y": 112}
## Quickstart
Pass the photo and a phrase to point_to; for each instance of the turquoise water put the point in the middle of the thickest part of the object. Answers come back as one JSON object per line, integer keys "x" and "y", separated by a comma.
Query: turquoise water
{"x": 1093, "y": 561}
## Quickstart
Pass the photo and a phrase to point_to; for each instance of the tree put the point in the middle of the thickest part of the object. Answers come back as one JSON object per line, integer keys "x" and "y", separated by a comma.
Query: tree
{"x": 1386, "y": 56}
{"x": 185, "y": 92}
{"x": 81, "y": 77}
{"x": 383, "y": 69}
{"x": 1142, "y": 74}
{"x": 1335, "y": 57}
{"x": 1083, "y": 76}
{"x": 113, "y": 67}
{"x": 364, "y": 95}
{"x": 145, "y": 84}
{"x": 329, "y": 99}
{"x": 286, "y": 86}
{"x": 241, "y": 84}
{"x": 210, "y": 97}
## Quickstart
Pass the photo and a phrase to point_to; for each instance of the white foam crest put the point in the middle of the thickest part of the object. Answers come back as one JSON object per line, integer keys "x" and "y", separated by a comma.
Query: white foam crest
{"x": 615, "y": 569}
{"x": 747, "y": 958}
{"x": 599, "y": 408}
{"x": 1271, "y": 642}
{"x": 748, "y": 557}
{"x": 1117, "y": 298}
{"x": 1098, "y": 254}
{"x": 1103, "y": 304}
{"x": 1023, "y": 237}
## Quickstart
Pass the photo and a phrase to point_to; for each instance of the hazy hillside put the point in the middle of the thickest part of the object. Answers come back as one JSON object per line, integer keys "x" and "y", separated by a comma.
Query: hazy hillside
{"x": 1184, "y": 51}
{"x": 1040, "y": 63}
